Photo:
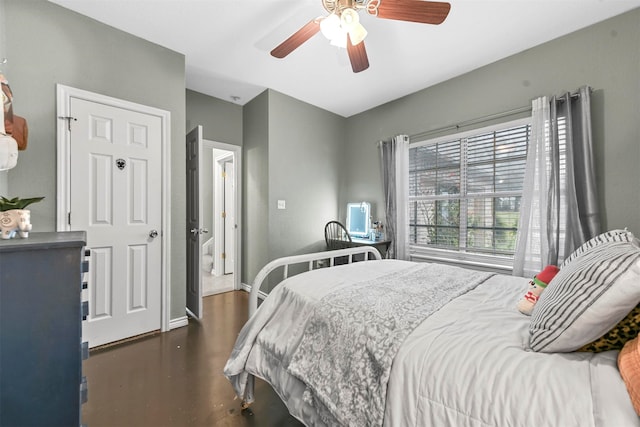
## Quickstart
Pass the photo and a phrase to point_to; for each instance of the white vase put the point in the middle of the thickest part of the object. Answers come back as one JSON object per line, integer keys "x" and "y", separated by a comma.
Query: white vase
{"x": 15, "y": 221}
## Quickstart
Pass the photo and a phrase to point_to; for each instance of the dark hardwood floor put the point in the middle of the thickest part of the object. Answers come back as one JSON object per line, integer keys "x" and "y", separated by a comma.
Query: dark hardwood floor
{"x": 175, "y": 378}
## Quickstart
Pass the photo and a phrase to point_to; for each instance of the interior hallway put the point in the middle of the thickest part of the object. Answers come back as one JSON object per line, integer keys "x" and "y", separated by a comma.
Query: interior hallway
{"x": 211, "y": 284}
{"x": 175, "y": 378}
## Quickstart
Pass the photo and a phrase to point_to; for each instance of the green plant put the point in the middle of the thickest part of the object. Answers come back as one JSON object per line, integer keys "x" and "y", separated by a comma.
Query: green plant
{"x": 16, "y": 203}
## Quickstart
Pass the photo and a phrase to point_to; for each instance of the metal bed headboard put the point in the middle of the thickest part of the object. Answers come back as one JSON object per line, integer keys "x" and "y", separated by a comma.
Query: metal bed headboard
{"x": 312, "y": 261}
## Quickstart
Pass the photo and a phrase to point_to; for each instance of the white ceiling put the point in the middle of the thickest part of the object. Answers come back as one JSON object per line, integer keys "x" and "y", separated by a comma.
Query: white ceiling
{"x": 226, "y": 44}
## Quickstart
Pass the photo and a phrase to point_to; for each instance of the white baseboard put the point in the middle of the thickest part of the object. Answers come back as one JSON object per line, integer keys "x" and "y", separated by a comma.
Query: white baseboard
{"x": 179, "y": 322}
{"x": 245, "y": 287}
{"x": 184, "y": 320}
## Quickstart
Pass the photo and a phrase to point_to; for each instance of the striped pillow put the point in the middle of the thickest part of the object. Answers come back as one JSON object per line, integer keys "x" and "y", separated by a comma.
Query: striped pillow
{"x": 606, "y": 237}
{"x": 624, "y": 331}
{"x": 586, "y": 298}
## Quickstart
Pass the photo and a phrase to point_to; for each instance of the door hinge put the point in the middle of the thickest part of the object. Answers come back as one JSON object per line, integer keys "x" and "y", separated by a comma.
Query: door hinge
{"x": 224, "y": 255}
{"x": 224, "y": 214}
{"x": 69, "y": 218}
{"x": 224, "y": 174}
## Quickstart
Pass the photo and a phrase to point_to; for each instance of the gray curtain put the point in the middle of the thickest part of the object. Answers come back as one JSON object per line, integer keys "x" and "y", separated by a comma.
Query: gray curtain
{"x": 388, "y": 155}
{"x": 559, "y": 211}
{"x": 395, "y": 158}
{"x": 583, "y": 213}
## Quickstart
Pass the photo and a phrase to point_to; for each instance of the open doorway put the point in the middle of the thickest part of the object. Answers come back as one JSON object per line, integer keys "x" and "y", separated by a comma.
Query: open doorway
{"x": 219, "y": 216}
{"x": 205, "y": 161}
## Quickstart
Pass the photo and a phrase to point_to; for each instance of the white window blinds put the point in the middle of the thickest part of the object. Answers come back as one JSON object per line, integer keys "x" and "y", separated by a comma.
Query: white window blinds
{"x": 465, "y": 190}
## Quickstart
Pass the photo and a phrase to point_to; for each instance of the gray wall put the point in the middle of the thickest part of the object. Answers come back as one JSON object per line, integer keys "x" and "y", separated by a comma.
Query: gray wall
{"x": 4, "y": 183}
{"x": 221, "y": 120}
{"x": 47, "y": 44}
{"x": 305, "y": 147}
{"x": 291, "y": 152}
{"x": 255, "y": 186}
{"x": 605, "y": 56}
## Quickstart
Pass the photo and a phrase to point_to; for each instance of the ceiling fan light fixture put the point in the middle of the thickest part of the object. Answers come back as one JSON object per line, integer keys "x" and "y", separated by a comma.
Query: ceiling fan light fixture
{"x": 342, "y": 26}
{"x": 330, "y": 26}
{"x": 340, "y": 39}
{"x": 350, "y": 21}
{"x": 349, "y": 18}
{"x": 357, "y": 34}
{"x": 333, "y": 30}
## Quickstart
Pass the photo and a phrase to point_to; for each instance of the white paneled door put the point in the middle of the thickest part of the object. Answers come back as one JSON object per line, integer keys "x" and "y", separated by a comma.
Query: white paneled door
{"x": 116, "y": 196}
{"x": 229, "y": 217}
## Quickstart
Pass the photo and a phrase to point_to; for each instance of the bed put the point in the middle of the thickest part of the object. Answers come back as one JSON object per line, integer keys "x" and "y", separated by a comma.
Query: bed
{"x": 399, "y": 343}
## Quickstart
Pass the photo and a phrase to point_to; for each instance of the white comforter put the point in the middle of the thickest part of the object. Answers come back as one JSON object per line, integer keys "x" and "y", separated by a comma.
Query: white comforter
{"x": 466, "y": 365}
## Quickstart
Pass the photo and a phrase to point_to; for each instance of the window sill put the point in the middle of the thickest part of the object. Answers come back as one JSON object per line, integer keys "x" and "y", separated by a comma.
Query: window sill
{"x": 497, "y": 264}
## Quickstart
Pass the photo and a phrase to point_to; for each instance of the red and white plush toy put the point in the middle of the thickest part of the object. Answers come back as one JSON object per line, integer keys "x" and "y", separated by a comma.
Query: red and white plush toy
{"x": 536, "y": 286}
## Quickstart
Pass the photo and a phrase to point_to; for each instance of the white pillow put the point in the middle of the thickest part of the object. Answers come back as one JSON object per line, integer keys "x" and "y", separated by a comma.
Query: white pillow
{"x": 606, "y": 237}
{"x": 587, "y": 297}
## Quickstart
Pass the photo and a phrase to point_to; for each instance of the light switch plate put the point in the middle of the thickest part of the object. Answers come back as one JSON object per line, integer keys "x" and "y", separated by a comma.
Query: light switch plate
{"x": 282, "y": 204}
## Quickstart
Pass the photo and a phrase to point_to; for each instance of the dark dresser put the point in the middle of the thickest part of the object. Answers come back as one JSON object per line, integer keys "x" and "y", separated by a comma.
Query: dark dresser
{"x": 41, "y": 312}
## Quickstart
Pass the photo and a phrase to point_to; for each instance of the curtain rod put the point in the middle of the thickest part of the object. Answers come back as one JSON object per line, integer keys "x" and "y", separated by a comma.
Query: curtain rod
{"x": 483, "y": 119}
{"x": 473, "y": 121}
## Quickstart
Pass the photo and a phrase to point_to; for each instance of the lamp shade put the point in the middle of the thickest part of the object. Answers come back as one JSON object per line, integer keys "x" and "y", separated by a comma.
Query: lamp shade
{"x": 350, "y": 21}
{"x": 357, "y": 34}
{"x": 8, "y": 152}
{"x": 330, "y": 26}
{"x": 340, "y": 39}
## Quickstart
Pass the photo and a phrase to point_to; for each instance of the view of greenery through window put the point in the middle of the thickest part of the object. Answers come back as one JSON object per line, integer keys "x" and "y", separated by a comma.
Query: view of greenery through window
{"x": 464, "y": 193}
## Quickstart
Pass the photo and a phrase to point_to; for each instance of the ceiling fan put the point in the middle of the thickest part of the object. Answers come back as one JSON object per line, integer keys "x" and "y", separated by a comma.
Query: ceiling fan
{"x": 342, "y": 25}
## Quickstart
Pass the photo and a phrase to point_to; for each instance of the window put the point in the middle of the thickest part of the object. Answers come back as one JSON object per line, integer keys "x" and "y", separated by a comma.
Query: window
{"x": 465, "y": 190}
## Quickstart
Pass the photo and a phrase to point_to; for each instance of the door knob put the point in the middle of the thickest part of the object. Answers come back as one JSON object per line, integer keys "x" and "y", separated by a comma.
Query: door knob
{"x": 153, "y": 234}
{"x": 204, "y": 230}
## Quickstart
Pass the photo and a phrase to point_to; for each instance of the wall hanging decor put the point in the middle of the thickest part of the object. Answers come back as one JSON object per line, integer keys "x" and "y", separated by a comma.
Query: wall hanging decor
{"x": 14, "y": 125}
{"x": 8, "y": 145}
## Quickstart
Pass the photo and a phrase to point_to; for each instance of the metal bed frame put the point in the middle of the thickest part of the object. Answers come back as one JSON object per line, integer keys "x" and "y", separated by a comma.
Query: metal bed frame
{"x": 314, "y": 260}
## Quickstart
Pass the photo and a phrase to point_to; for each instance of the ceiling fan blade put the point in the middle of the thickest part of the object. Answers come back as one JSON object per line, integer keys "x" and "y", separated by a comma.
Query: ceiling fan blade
{"x": 292, "y": 43}
{"x": 424, "y": 12}
{"x": 357, "y": 56}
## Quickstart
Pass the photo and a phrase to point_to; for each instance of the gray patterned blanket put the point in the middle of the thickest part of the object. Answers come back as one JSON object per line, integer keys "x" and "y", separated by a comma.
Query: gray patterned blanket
{"x": 350, "y": 340}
